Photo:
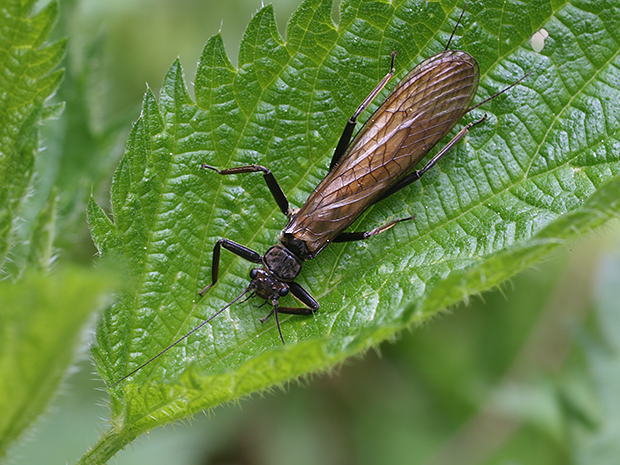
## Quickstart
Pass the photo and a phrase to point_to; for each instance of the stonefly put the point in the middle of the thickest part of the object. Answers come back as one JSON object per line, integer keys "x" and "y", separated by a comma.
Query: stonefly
{"x": 379, "y": 161}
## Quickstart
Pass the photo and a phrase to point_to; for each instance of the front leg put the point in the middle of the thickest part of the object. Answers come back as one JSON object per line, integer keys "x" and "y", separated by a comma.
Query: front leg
{"x": 305, "y": 298}
{"x": 238, "y": 249}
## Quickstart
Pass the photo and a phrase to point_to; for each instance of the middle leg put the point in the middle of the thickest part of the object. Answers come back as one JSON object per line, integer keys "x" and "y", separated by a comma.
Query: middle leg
{"x": 360, "y": 236}
{"x": 272, "y": 184}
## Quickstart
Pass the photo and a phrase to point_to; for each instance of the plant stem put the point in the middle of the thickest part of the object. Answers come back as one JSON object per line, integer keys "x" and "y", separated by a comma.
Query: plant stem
{"x": 109, "y": 444}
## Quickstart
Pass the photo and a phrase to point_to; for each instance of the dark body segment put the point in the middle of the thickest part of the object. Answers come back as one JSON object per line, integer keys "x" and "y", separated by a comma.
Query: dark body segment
{"x": 421, "y": 110}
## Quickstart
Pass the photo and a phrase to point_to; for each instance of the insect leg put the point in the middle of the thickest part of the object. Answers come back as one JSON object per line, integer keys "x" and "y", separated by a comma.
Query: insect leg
{"x": 275, "y": 312}
{"x": 343, "y": 143}
{"x": 272, "y": 184}
{"x": 305, "y": 298}
{"x": 360, "y": 236}
{"x": 303, "y": 295}
{"x": 414, "y": 176}
{"x": 497, "y": 94}
{"x": 238, "y": 249}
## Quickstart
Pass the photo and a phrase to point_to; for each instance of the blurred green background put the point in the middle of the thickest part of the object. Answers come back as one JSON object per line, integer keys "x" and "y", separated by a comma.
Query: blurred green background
{"x": 512, "y": 377}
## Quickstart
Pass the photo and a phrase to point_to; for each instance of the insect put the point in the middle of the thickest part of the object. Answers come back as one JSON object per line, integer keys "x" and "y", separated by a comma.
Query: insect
{"x": 378, "y": 162}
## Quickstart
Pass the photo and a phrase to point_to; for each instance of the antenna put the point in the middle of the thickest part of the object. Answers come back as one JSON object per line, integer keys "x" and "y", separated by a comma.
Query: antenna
{"x": 457, "y": 25}
{"x": 181, "y": 338}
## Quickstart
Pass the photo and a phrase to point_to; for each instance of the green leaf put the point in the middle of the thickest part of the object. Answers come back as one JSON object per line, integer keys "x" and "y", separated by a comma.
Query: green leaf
{"x": 543, "y": 169}
{"x": 42, "y": 236}
{"x": 41, "y": 323}
{"x": 27, "y": 81}
{"x": 83, "y": 147}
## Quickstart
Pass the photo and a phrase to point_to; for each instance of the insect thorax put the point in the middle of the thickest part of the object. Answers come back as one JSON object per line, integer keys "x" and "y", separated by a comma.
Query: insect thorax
{"x": 282, "y": 262}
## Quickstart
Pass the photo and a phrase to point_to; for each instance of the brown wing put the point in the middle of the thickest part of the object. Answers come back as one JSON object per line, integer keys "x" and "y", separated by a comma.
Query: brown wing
{"x": 422, "y": 109}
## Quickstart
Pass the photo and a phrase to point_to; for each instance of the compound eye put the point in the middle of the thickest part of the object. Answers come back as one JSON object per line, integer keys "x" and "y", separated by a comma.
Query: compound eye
{"x": 283, "y": 291}
{"x": 253, "y": 273}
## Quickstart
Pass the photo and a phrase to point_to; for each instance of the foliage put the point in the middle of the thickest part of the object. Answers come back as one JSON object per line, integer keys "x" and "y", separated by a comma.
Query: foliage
{"x": 42, "y": 310}
{"x": 28, "y": 81}
{"x": 541, "y": 171}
